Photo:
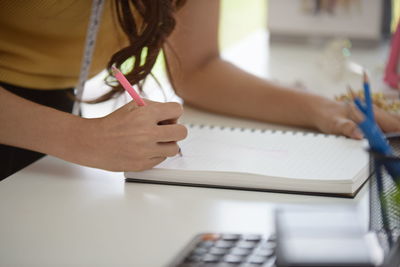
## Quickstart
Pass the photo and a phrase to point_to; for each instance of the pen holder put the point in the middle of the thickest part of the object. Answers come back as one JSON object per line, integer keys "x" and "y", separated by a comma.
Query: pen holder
{"x": 385, "y": 196}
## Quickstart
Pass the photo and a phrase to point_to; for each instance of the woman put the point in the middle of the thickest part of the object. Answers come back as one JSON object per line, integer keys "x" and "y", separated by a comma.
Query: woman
{"x": 41, "y": 48}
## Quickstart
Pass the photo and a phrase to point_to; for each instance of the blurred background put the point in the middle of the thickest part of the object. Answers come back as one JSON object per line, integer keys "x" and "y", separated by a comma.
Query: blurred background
{"x": 320, "y": 46}
{"x": 257, "y": 14}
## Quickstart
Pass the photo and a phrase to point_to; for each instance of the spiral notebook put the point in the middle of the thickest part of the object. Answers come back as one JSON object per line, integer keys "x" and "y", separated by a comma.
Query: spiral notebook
{"x": 263, "y": 160}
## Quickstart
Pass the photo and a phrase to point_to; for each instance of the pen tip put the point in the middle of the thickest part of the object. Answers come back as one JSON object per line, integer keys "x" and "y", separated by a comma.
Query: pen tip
{"x": 365, "y": 77}
{"x": 114, "y": 70}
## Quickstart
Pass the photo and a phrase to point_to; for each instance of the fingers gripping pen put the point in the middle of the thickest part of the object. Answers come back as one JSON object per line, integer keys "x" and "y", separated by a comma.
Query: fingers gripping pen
{"x": 376, "y": 139}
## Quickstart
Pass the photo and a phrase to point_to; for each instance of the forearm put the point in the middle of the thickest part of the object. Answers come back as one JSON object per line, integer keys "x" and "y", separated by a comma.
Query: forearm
{"x": 35, "y": 127}
{"x": 131, "y": 138}
{"x": 204, "y": 80}
{"x": 222, "y": 87}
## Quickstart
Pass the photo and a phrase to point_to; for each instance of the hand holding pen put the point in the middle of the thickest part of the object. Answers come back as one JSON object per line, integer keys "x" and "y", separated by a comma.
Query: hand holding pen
{"x": 376, "y": 139}
{"x": 128, "y": 139}
{"x": 135, "y": 96}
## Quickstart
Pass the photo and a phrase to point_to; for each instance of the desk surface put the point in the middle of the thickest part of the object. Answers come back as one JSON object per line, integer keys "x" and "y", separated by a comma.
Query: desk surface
{"x": 58, "y": 213}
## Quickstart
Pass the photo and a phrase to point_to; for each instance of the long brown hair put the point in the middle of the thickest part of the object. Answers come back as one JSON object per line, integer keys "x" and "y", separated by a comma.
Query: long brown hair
{"x": 146, "y": 38}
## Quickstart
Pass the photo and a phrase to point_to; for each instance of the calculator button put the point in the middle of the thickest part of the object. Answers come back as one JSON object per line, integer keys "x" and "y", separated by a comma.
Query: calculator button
{"x": 211, "y": 258}
{"x": 254, "y": 238}
{"x": 218, "y": 251}
{"x": 264, "y": 252}
{"x": 205, "y": 244}
{"x": 230, "y": 237}
{"x": 268, "y": 245}
{"x": 240, "y": 251}
{"x": 199, "y": 251}
{"x": 210, "y": 237}
{"x": 224, "y": 244}
{"x": 233, "y": 258}
{"x": 257, "y": 259}
{"x": 272, "y": 237}
{"x": 270, "y": 262}
{"x": 246, "y": 244}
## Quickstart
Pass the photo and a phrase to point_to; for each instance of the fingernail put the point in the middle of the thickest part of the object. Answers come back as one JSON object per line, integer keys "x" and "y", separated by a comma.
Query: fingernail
{"x": 357, "y": 134}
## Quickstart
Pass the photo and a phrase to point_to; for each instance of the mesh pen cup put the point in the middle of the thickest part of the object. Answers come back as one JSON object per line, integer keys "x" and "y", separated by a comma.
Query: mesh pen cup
{"x": 385, "y": 196}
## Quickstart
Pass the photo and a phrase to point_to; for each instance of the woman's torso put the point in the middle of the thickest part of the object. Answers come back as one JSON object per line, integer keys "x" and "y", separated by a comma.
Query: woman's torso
{"x": 42, "y": 41}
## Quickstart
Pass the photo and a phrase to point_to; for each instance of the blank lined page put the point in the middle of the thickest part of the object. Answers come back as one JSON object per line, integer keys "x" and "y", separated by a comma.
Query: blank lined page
{"x": 270, "y": 153}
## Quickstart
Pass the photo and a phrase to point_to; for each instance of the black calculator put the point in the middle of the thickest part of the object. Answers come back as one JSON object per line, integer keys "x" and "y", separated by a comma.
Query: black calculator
{"x": 227, "y": 249}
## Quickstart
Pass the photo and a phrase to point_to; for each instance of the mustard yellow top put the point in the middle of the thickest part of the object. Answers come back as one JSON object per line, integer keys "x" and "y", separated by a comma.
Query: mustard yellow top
{"x": 42, "y": 41}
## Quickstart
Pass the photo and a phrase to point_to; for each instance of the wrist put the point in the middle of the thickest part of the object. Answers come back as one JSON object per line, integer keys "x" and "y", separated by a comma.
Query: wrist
{"x": 323, "y": 110}
{"x": 76, "y": 140}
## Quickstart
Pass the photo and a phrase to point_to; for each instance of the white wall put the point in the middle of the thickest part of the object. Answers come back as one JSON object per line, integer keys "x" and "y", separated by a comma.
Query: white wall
{"x": 363, "y": 21}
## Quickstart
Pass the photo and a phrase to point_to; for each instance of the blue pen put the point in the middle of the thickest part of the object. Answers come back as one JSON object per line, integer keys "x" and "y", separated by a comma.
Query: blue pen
{"x": 367, "y": 97}
{"x": 376, "y": 139}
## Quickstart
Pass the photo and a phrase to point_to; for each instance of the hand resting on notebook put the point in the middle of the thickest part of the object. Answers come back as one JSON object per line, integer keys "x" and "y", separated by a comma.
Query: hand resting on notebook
{"x": 342, "y": 119}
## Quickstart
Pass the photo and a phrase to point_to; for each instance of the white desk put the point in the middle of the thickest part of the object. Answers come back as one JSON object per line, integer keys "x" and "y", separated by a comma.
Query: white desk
{"x": 55, "y": 213}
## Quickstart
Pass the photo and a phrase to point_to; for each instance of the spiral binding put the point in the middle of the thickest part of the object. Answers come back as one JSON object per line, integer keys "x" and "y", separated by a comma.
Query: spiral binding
{"x": 256, "y": 130}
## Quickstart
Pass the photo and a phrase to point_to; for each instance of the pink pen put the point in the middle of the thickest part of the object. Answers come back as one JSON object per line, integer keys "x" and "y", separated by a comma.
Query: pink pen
{"x": 127, "y": 86}
{"x": 392, "y": 71}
